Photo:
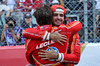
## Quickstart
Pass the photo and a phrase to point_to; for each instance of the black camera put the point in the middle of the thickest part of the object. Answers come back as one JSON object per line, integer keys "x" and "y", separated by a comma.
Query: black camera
{"x": 10, "y": 25}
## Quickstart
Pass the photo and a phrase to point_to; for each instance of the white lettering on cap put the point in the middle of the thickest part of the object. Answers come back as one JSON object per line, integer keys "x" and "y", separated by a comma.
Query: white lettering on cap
{"x": 60, "y": 10}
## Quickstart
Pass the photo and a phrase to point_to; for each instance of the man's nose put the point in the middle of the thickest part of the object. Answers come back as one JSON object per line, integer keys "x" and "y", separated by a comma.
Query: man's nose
{"x": 58, "y": 16}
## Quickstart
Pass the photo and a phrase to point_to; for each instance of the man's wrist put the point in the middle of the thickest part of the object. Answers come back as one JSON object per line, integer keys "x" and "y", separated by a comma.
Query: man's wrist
{"x": 61, "y": 57}
{"x": 11, "y": 31}
{"x": 50, "y": 36}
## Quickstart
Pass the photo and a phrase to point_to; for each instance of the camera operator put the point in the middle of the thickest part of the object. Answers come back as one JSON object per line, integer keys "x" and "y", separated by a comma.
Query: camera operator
{"x": 10, "y": 32}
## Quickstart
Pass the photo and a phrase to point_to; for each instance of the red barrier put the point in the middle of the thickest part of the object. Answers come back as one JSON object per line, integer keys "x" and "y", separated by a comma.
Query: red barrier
{"x": 13, "y": 56}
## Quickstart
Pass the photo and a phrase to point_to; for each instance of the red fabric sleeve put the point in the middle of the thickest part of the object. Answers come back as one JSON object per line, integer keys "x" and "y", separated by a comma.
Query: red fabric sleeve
{"x": 37, "y": 33}
{"x": 31, "y": 33}
{"x": 73, "y": 54}
{"x": 74, "y": 27}
{"x": 71, "y": 28}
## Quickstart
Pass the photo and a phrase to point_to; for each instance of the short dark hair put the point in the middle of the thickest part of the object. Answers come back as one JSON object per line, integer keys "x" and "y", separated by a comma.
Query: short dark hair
{"x": 10, "y": 18}
{"x": 44, "y": 15}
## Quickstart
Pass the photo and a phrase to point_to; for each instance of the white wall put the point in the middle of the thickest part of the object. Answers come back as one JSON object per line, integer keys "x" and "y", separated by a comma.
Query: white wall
{"x": 90, "y": 55}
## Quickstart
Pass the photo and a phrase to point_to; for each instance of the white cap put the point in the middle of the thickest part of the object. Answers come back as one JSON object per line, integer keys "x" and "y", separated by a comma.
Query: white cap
{"x": 4, "y": 7}
{"x": 55, "y": 2}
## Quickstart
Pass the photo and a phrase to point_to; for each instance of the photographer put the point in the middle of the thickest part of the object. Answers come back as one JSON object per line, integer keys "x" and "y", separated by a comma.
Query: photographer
{"x": 10, "y": 32}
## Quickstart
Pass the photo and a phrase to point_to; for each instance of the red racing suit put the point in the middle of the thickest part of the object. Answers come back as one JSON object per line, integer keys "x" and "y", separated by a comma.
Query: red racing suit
{"x": 33, "y": 45}
{"x": 73, "y": 51}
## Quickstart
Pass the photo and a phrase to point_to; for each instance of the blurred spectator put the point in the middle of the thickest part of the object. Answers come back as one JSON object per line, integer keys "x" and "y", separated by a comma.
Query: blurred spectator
{"x": 24, "y": 5}
{"x": 10, "y": 32}
{"x": 29, "y": 5}
{"x": 4, "y": 7}
{"x": 97, "y": 4}
{"x": 62, "y": 2}
{"x": 58, "y": 2}
{"x": 2, "y": 18}
{"x": 48, "y": 2}
{"x": 3, "y": 10}
{"x": 21, "y": 38}
{"x": 35, "y": 4}
{"x": 97, "y": 7}
{"x": 10, "y": 3}
{"x": 17, "y": 14}
{"x": 67, "y": 20}
{"x": 97, "y": 25}
{"x": 55, "y": 2}
{"x": 28, "y": 22}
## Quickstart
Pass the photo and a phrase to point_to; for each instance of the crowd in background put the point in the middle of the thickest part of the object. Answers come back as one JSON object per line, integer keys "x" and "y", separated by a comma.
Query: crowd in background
{"x": 21, "y": 13}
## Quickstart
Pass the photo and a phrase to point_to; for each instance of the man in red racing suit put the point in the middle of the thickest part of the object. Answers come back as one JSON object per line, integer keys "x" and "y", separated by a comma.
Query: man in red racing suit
{"x": 33, "y": 45}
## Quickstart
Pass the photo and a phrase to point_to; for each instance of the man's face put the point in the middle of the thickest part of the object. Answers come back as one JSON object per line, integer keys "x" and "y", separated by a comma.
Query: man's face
{"x": 11, "y": 22}
{"x": 58, "y": 18}
{"x": 15, "y": 8}
{"x": 28, "y": 20}
{"x": 68, "y": 20}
